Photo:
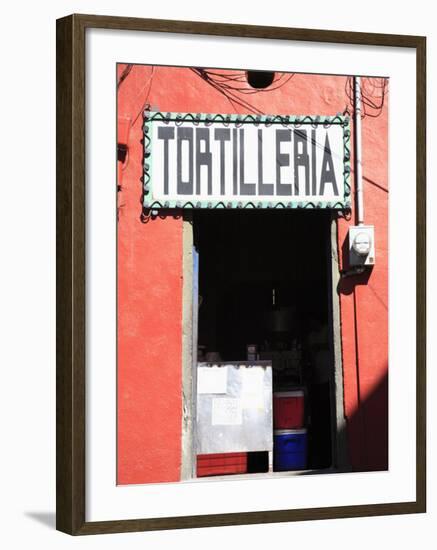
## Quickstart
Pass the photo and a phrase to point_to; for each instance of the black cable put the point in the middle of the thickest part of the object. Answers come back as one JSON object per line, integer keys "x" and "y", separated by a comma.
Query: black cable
{"x": 228, "y": 85}
{"x": 124, "y": 74}
{"x": 373, "y": 94}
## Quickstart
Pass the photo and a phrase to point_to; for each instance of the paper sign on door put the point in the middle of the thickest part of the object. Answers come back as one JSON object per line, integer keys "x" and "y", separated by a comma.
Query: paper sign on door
{"x": 212, "y": 380}
{"x": 226, "y": 411}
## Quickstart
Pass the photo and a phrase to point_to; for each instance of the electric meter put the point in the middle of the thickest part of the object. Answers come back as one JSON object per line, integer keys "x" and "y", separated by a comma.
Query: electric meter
{"x": 361, "y": 245}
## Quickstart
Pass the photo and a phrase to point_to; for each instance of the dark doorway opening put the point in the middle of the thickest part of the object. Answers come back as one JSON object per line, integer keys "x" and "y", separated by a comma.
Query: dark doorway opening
{"x": 264, "y": 285}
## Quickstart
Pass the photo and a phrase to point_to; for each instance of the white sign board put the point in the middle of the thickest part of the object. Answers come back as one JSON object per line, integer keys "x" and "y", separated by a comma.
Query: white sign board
{"x": 239, "y": 419}
{"x": 235, "y": 161}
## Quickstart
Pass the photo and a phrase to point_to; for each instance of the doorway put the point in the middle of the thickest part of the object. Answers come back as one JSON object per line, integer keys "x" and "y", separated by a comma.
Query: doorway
{"x": 264, "y": 292}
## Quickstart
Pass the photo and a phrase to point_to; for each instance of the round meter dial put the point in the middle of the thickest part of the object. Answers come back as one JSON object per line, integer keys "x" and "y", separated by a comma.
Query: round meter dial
{"x": 362, "y": 244}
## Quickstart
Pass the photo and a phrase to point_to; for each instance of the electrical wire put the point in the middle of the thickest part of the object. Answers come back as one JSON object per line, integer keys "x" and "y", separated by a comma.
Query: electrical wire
{"x": 373, "y": 93}
{"x": 145, "y": 100}
{"x": 233, "y": 86}
{"x": 124, "y": 74}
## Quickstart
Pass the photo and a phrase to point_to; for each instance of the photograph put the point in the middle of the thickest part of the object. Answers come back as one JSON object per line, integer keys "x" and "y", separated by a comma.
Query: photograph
{"x": 218, "y": 274}
{"x": 240, "y": 254}
{"x": 252, "y": 273}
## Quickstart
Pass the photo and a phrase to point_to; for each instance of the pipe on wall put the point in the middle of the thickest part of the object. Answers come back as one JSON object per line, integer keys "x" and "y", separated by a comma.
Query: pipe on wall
{"x": 358, "y": 157}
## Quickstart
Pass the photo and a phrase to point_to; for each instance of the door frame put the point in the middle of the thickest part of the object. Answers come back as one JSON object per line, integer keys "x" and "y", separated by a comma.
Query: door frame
{"x": 190, "y": 262}
{"x": 339, "y": 445}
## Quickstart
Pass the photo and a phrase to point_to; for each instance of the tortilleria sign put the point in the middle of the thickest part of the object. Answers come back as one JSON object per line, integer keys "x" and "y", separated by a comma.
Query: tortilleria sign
{"x": 235, "y": 161}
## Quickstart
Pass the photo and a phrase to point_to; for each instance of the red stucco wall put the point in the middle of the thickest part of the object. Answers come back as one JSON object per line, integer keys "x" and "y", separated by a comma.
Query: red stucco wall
{"x": 364, "y": 312}
{"x": 150, "y": 280}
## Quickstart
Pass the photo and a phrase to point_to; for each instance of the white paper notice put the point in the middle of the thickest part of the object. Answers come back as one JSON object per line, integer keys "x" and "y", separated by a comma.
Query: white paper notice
{"x": 226, "y": 411}
{"x": 212, "y": 380}
{"x": 253, "y": 389}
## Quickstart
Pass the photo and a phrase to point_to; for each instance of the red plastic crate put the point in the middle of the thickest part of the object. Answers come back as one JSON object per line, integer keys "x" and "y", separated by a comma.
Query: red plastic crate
{"x": 217, "y": 464}
{"x": 289, "y": 410}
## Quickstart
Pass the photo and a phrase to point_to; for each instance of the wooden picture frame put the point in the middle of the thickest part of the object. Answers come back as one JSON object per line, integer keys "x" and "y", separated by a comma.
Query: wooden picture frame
{"x": 71, "y": 275}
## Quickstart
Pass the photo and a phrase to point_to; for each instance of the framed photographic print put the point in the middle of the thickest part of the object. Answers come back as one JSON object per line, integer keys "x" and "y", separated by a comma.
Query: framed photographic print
{"x": 240, "y": 274}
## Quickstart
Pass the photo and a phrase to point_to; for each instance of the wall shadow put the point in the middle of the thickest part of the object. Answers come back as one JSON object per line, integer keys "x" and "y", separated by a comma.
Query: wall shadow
{"x": 366, "y": 436}
{"x": 366, "y": 430}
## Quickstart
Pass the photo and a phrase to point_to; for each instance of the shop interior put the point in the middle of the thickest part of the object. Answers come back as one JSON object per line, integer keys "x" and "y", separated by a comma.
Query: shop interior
{"x": 264, "y": 293}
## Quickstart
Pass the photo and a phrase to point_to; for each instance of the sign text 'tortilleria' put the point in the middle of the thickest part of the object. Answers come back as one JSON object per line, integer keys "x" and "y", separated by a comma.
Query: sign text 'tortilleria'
{"x": 245, "y": 162}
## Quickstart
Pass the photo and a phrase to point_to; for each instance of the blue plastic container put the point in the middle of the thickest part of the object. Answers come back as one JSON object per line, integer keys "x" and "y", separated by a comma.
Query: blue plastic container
{"x": 290, "y": 450}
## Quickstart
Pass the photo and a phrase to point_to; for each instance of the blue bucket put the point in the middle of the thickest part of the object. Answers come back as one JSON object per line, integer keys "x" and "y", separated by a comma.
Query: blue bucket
{"x": 289, "y": 450}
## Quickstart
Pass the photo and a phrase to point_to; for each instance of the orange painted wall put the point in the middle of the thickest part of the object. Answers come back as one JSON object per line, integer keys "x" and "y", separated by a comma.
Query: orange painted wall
{"x": 364, "y": 311}
{"x": 150, "y": 278}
